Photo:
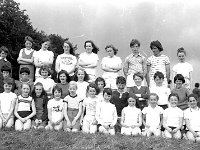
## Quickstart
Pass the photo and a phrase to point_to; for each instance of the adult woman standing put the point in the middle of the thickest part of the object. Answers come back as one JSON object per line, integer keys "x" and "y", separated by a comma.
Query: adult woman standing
{"x": 89, "y": 59}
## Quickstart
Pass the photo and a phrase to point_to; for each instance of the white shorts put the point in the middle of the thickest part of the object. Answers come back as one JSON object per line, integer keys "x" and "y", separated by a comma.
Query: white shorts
{"x": 131, "y": 131}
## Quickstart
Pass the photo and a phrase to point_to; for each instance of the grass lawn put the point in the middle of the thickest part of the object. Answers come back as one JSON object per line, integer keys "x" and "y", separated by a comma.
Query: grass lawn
{"x": 53, "y": 140}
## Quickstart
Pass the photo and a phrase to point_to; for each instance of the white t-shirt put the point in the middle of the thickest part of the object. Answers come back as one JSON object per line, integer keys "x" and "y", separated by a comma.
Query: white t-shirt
{"x": 90, "y": 104}
{"x": 73, "y": 102}
{"x": 6, "y": 100}
{"x": 111, "y": 62}
{"x": 193, "y": 116}
{"x": 106, "y": 113}
{"x": 153, "y": 115}
{"x": 131, "y": 115}
{"x": 24, "y": 103}
{"x": 81, "y": 89}
{"x": 173, "y": 114}
{"x": 48, "y": 84}
{"x": 89, "y": 58}
{"x": 65, "y": 62}
{"x": 163, "y": 93}
{"x": 56, "y": 109}
{"x": 183, "y": 68}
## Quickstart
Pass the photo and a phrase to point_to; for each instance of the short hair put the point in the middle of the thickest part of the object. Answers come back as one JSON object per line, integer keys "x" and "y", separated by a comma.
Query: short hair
{"x": 24, "y": 70}
{"x": 158, "y": 74}
{"x": 4, "y": 49}
{"x": 108, "y": 91}
{"x": 6, "y": 68}
{"x": 154, "y": 94}
{"x": 46, "y": 68}
{"x": 173, "y": 94}
{"x": 196, "y": 85}
{"x": 71, "y": 51}
{"x": 72, "y": 83}
{"x": 28, "y": 38}
{"x": 133, "y": 42}
{"x": 8, "y": 81}
{"x": 181, "y": 50}
{"x": 93, "y": 85}
{"x": 86, "y": 78}
{"x": 138, "y": 75}
{"x": 24, "y": 83}
{"x": 68, "y": 79}
{"x": 179, "y": 77}
{"x": 114, "y": 49}
{"x": 45, "y": 40}
{"x": 99, "y": 79}
{"x": 120, "y": 80}
{"x": 57, "y": 88}
{"x": 193, "y": 95}
{"x": 95, "y": 48}
{"x": 156, "y": 44}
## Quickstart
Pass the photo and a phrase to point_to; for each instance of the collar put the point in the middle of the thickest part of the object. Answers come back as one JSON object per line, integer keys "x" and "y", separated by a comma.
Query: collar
{"x": 73, "y": 96}
{"x": 136, "y": 55}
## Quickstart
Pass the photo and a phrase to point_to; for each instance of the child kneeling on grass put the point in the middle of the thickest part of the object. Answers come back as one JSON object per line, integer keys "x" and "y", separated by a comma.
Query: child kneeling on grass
{"x": 173, "y": 118}
{"x": 72, "y": 109}
{"x": 131, "y": 119}
{"x": 106, "y": 114}
{"x": 55, "y": 110}
{"x": 24, "y": 109}
{"x": 152, "y": 116}
{"x": 7, "y": 104}
{"x": 191, "y": 116}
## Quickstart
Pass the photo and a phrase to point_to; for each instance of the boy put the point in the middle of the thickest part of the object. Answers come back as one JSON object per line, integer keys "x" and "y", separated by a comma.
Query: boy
{"x": 7, "y": 104}
{"x": 134, "y": 63}
{"x": 24, "y": 72}
{"x": 119, "y": 99}
{"x": 141, "y": 93}
{"x": 161, "y": 90}
{"x": 152, "y": 116}
{"x": 6, "y": 71}
{"x": 106, "y": 114}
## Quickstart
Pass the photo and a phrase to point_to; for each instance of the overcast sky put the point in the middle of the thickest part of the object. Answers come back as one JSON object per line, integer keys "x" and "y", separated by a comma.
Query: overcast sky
{"x": 174, "y": 23}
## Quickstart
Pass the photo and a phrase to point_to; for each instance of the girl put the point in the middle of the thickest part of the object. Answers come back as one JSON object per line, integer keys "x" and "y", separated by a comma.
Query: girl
{"x": 25, "y": 58}
{"x": 89, "y": 59}
{"x": 183, "y": 68}
{"x": 131, "y": 119}
{"x": 173, "y": 118}
{"x": 43, "y": 57}
{"x": 24, "y": 109}
{"x": 55, "y": 110}
{"x": 47, "y": 82}
{"x": 111, "y": 65}
{"x": 66, "y": 61}
{"x": 191, "y": 116}
{"x": 63, "y": 81}
{"x": 89, "y": 123}
{"x": 157, "y": 62}
{"x": 182, "y": 92}
{"x": 40, "y": 97}
{"x": 100, "y": 82}
{"x": 72, "y": 109}
{"x": 81, "y": 77}
{"x": 106, "y": 114}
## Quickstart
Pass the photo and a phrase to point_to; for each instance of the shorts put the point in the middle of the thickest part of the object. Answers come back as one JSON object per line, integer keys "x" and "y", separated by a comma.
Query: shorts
{"x": 24, "y": 114}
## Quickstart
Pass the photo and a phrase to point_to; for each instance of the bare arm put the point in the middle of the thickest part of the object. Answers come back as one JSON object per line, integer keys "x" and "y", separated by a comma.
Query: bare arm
{"x": 11, "y": 109}
{"x": 147, "y": 75}
{"x": 167, "y": 66}
{"x": 79, "y": 111}
{"x": 33, "y": 111}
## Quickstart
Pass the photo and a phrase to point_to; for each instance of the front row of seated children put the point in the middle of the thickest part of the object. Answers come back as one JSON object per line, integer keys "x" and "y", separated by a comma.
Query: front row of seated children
{"x": 93, "y": 114}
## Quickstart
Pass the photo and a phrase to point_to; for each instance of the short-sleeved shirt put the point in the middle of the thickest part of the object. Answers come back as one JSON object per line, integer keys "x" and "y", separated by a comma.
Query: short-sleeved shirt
{"x": 173, "y": 114}
{"x": 24, "y": 103}
{"x": 183, "y": 68}
{"x": 73, "y": 102}
{"x": 134, "y": 63}
{"x": 193, "y": 116}
{"x": 89, "y": 58}
{"x": 65, "y": 89}
{"x": 153, "y": 115}
{"x": 111, "y": 62}
{"x": 131, "y": 115}
{"x": 6, "y": 100}
{"x": 81, "y": 89}
{"x": 47, "y": 83}
{"x": 90, "y": 105}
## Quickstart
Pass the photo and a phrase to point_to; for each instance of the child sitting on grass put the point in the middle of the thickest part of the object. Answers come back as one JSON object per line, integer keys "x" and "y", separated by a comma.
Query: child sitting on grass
{"x": 152, "y": 116}
{"x": 55, "y": 110}
{"x": 89, "y": 123}
{"x": 173, "y": 118}
{"x": 24, "y": 109}
{"x": 191, "y": 116}
{"x": 7, "y": 105}
{"x": 131, "y": 119}
{"x": 72, "y": 109}
{"x": 106, "y": 114}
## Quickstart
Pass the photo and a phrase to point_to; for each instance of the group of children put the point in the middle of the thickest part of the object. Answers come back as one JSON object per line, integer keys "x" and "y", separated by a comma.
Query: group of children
{"x": 127, "y": 106}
